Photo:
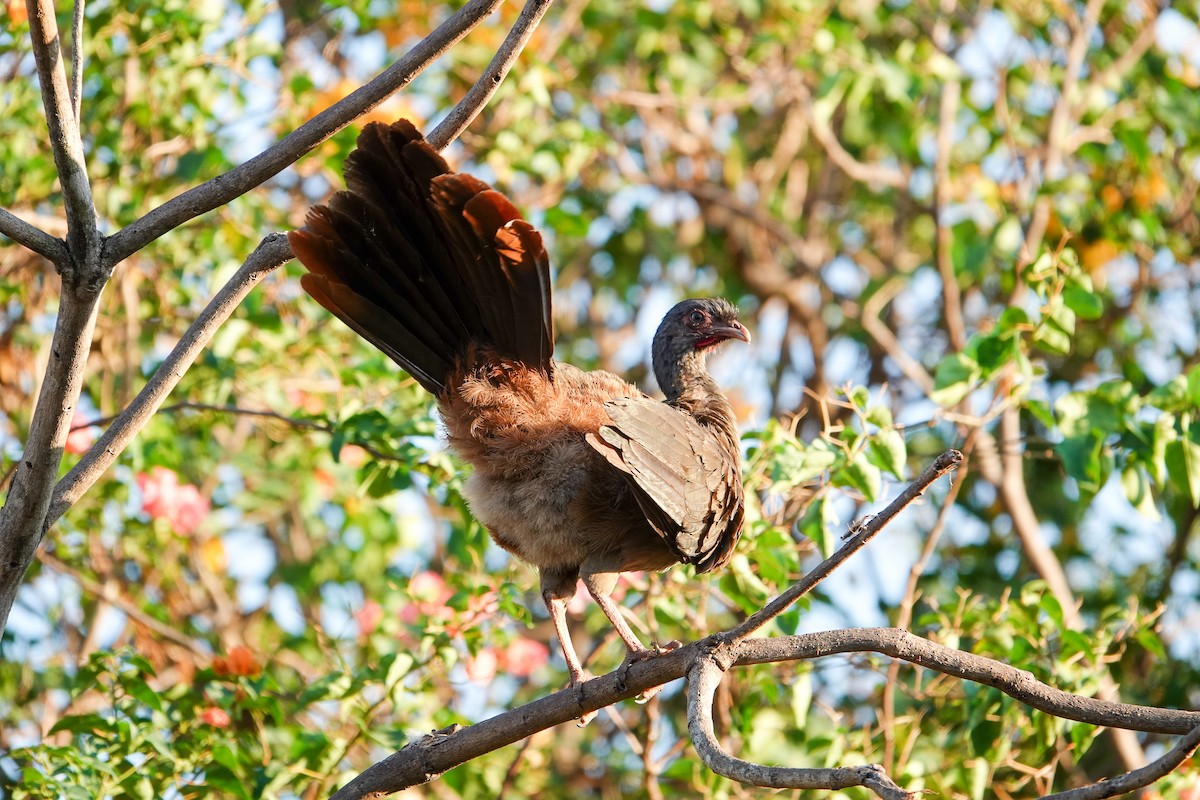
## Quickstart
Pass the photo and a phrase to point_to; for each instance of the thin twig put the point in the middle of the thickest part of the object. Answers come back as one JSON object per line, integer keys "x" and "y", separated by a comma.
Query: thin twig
{"x": 469, "y": 107}
{"x": 704, "y": 677}
{"x": 127, "y": 606}
{"x": 77, "y": 58}
{"x": 295, "y": 422}
{"x": 270, "y": 253}
{"x": 944, "y": 463}
{"x": 951, "y": 292}
{"x": 286, "y": 151}
{"x": 904, "y": 615}
{"x": 1136, "y": 779}
{"x": 35, "y": 239}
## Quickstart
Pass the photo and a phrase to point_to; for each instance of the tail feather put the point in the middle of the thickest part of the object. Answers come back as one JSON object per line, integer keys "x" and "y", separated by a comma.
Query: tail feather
{"x": 423, "y": 262}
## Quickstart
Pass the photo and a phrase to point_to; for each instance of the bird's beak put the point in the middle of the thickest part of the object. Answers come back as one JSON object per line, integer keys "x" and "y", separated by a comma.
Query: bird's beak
{"x": 734, "y": 330}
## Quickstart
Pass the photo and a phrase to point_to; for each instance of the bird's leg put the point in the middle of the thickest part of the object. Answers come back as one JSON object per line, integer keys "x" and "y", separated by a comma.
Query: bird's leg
{"x": 600, "y": 585}
{"x": 557, "y": 589}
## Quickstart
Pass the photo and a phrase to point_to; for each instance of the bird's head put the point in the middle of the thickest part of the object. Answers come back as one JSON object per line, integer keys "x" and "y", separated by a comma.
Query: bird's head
{"x": 701, "y": 325}
{"x": 687, "y": 333}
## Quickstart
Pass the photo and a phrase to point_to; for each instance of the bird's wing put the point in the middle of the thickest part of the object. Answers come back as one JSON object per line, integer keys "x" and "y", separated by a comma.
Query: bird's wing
{"x": 687, "y": 483}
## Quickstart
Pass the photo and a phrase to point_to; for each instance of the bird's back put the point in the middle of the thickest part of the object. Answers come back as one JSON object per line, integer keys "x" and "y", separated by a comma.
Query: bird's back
{"x": 540, "y": 488}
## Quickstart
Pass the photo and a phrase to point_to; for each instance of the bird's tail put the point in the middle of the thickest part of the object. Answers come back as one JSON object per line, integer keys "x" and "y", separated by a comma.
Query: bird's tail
{"x": 423, "y": 262}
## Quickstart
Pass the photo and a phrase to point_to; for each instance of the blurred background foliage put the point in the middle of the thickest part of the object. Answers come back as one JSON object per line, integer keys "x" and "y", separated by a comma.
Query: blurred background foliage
{"x": 946, "y": 225}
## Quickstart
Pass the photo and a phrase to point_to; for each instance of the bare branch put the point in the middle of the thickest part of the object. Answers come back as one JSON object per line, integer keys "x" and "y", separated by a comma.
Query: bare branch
{"x": 469, "y": 107}
{"x": 944, "y": 463}
{"x": 1014, "y": 682}
{"x": 34, "y": 238}
{"x": 77, "y": 58}
{"x": 109, "y": 593}
{"x": 29, "y": 497}
{"x": 951, "y": 293}
{"x": 429, "y": 757}
{"x": 271, "y": 252}
{"x": 872, "y": 321}
{"x": 703, "y": 679}
{"x": 295, "y": 422}
{"x": 1137, "y": 778}
{"x": 877, "y": 174}
{"x": 286, "y": 151}
{"x": 83, "y": 237}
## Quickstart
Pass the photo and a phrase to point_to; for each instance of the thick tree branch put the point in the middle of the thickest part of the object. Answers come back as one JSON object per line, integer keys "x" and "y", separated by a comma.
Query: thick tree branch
{"x": 271, "y": 252}
{"x": 944, "y": 463}
{"x": 29, "y": 497}
{"x": 35, "y": 239}
{"x": 1014, "y": 682}
{"x": 703, "y": 679}
{"x": 83, "y": 237}
{"x": 469, "y": 107}
{"x": 286, "y": 151}
{"x": 436, "y": 753}
{"x": 1137, "y": 778}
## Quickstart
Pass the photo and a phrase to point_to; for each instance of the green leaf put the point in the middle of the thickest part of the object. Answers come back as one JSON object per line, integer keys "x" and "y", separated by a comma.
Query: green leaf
{"x": 1081, "y": 457}
{"x": 1053, "y": 338}
{"x": 1182, "y": 458}
{"x": 888, "y": 451}
{"x": 1084, "y": 302}
{"x": 862, "y": 475}
{"x": 955, "y": 378}
{"x": 1193, "y": 386}
{"x": 1136, "y": 484}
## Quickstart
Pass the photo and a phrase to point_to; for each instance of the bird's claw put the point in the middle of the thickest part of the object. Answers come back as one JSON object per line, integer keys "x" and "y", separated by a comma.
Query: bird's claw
{"x": 634, "y": 656}
{"x": 577, "y": 682}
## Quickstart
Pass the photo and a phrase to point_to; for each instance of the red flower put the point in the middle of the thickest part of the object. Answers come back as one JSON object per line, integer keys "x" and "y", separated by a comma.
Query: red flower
{"x": 368, "y": 618}
{"x": 481, "y": 667}
{"x": 217, "y": 717}
{"x": 81, "y": 436}
{"x": 523, "y": 657}
{"x": 240, "y": 661}
{"x": 429, "y": 593}
{"x": 163, "y": 497}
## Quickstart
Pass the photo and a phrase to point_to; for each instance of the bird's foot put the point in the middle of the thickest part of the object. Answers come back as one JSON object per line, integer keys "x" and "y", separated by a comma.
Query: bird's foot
{"x": 641, "y": 654}
{"x": 578, "y": 679}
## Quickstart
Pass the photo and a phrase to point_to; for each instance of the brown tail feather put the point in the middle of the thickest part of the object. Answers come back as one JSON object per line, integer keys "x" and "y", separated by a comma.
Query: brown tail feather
{"x": 423, "y": 262}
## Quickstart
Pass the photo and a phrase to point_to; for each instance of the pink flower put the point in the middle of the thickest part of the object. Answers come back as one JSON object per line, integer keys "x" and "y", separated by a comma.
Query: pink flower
{"x": 482, "y": 666}
{"x": 81, "y": 436}
{"x": 217, "y": 717}
{"x": 429, "y": 593}
{"x": 368, "y": 618}
{"x": 523, "y": 657}
{"x": 163, "y": 497}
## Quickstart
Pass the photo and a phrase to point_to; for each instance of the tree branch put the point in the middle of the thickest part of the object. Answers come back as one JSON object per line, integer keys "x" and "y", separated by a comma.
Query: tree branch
{"x": 944, "y": 463}
{"x": 34, "y": 238}
{"x": 433, "y": 754}
{"x": 469, "y": 107}
{"x": 286, "y": 151}
{"x": 77, "y": 58}
{"x": 83, "y": 237}
{"x": 1016, "y": 683}
{"x": 704, "y": 677}
{"x": 1137, "y": 778}
{"x": 271, "y": 252}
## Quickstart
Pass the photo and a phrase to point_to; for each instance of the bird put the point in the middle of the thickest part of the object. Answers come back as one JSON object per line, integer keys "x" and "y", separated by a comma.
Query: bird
{"x": 578, "y": 473}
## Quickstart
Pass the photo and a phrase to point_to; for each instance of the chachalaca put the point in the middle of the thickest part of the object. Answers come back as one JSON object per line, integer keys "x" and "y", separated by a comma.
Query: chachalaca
{"x": 578, "y": 473}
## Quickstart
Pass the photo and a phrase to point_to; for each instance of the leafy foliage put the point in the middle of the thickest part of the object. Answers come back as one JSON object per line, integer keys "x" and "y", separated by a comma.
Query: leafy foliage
{"x": 262, "y": 605}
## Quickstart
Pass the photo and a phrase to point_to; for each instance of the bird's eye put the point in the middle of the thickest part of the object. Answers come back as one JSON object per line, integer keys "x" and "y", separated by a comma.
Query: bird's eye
{"x": 696, "y": 317}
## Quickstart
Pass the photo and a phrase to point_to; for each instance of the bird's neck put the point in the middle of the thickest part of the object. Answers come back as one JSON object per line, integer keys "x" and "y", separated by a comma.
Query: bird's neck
{"x": 688, "y": 387}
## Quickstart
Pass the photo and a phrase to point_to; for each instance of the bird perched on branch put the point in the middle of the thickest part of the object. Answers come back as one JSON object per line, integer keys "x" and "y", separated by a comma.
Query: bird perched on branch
{"x": 578, "y": 473}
